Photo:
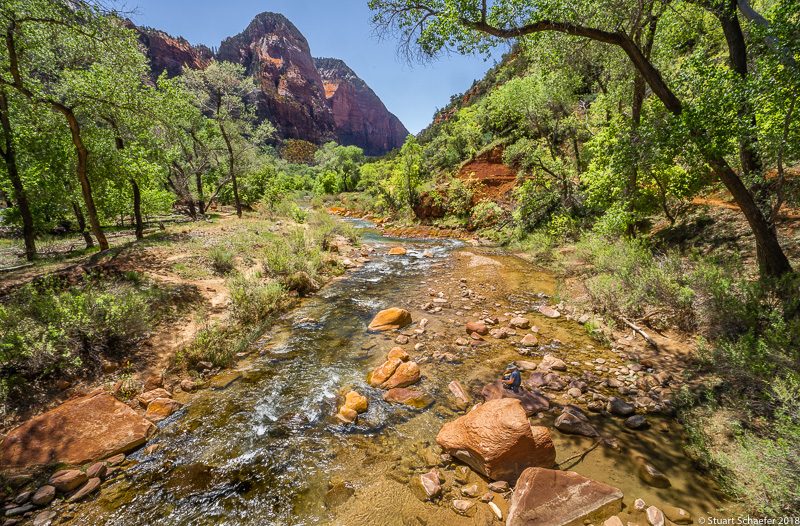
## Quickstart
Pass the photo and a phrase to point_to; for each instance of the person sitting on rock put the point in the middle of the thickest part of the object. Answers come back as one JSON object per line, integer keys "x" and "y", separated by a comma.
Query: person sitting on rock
{"x": 512, "y": 378}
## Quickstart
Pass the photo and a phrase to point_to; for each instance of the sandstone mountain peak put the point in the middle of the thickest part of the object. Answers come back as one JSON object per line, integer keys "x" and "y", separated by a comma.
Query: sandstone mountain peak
{"x": 305, "y": 98}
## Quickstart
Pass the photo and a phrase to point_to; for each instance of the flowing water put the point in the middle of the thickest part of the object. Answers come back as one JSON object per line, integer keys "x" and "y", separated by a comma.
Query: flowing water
{"x": 262, "y": 447}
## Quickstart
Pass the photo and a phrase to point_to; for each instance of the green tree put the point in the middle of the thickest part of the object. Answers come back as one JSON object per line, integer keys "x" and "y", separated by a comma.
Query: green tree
{"x": 430, "y": 26}
{"x": 221, "y": 91}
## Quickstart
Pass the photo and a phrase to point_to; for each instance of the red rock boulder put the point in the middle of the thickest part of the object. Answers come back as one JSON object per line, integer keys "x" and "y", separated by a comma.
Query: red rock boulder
{"x": 78, "y": 431}
{"x": 389, "y": 319}
{"x": 532, "y": 402}
{"x": 496, "y": 440}
{"x": 548, "y": 497}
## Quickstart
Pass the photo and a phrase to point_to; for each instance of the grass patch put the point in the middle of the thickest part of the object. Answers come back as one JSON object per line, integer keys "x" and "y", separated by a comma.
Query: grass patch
{"x": 216, "y": 344}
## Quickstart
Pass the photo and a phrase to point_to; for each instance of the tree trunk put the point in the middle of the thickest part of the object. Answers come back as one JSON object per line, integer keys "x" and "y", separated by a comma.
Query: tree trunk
{"x": 737, "y": 57}
{"x": 200, "y": 199}
{"x": 231, "y": 171}
{"x": 9, "y": 154}
{"x": 87, "y": 237}
{"x": 631, "y": 186}
{"x": 137, "y": 209}
{"x": 772, "y": 261}
{"x": 81, "y": 171}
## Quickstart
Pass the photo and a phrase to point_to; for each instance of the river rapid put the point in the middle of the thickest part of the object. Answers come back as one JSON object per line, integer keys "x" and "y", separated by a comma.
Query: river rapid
{"x": 262, "y": 447}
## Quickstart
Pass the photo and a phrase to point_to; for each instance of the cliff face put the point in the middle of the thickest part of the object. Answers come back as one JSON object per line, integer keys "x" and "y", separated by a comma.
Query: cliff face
{"x": 277, "y": 55}
{"x": 316, "y": 100}
{"x": 359, "y": 115}
{"x": 171, "y": 54}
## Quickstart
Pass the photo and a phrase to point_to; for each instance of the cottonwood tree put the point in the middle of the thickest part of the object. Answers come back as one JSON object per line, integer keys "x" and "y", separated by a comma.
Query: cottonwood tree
{"x": 428, "y": 27}
{"x": 221, "y": 91}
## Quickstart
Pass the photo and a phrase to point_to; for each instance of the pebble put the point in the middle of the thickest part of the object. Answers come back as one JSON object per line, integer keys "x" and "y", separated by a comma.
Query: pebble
{"x": 45, "y": 518}
{"x": 44, "y": 495}
{"x": 463, "y": 506}
{"x": 496, "y": 510}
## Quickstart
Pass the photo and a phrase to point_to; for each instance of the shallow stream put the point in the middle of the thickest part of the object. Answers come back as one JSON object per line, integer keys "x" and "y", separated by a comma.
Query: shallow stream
{"x": 262, "y": 445}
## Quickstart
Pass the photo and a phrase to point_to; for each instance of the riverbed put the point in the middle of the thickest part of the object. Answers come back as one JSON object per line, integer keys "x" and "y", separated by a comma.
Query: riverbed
{"x": 262, "y": 446}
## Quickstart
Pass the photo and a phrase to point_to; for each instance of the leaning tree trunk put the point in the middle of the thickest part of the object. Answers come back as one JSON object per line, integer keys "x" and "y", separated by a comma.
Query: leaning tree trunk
{"x": 9, "y": 154}
{"x": 231, "y": 170}
{"x": 737, "y": 57}
{"x": 87, "y": 237}
{"x": 81, "y": 171}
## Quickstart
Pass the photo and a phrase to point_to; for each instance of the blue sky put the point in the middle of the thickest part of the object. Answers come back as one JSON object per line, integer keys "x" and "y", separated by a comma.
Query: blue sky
{"x": 334, "y": 28}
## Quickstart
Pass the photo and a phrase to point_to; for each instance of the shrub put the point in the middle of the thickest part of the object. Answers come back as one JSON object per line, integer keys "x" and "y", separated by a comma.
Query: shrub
{"x": 216, "y": 344}
{"x": 253, "y": 299}
{"x": 486, "y": 214}
{"x": 459, "y": 197}
{"x": 221, "y": 259}
{"x": 46, "y": 330}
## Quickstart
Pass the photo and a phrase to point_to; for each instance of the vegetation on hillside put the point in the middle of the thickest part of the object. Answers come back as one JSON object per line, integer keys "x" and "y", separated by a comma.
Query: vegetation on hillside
{"x": 615, "y": 117}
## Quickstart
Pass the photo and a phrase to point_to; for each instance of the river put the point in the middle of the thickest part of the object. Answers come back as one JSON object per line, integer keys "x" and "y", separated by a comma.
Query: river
{"x": 262, "y": 445}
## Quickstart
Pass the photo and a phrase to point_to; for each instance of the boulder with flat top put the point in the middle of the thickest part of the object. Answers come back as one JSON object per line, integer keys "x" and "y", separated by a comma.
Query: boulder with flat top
{"x": 549, "y": 497}
{"x": 532, "y": 402}
{"x": 79, "y": 431}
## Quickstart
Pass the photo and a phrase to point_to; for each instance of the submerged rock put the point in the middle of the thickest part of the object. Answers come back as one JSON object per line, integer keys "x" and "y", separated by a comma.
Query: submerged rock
{"x": 161, "y": 408}
{"x": 548, "y": 497}
{"x": 551, "y": 363}
{"x": 496, "y": 440}
{"x": 409, "y": 397}
{"x": 650, "y": 475}
{"x": 427, "y": 486}
{"x": 464, "y": 507}
{"x": 459, "y": 393}
{"x": 549, "y": 312}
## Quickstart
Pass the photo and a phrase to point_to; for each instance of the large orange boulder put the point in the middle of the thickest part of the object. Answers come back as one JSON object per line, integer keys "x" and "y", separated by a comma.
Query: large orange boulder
{"x": 496, "y": 440}
{"x": 384, "y": 371}
{"x": 389, "y": 319}
{"x": 407, "y": 373}
{"x": 78, "y": 431}
{"x": 548, "y": 497}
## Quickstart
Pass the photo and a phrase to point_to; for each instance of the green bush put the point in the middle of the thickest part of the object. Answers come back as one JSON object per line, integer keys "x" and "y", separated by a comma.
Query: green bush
{"x": 253, "y": 298}
{"x": 629, "y": 280}
{"x": 221, "y": 260}
{"x": 46, "y": 330}
{"x": 486, "y": 214}
{"x": 216, "y": 344}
